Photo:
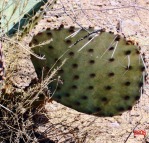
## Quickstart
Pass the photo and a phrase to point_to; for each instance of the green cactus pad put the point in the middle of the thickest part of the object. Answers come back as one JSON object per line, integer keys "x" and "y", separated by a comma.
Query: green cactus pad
{"x": 101, "y": 79}
{"x": 14, "y": 14}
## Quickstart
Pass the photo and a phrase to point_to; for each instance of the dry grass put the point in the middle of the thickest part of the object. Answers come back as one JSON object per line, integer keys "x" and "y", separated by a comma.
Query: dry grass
{"x": 22, "y": 110}
{"x": 19, "y": 106}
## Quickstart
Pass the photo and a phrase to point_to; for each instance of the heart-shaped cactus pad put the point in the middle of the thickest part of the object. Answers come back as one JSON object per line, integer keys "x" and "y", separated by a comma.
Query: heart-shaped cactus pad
{"x": 102, "y": 75}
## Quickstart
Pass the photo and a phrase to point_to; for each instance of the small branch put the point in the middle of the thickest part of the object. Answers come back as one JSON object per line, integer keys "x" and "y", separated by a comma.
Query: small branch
{"x": 6, "y": 108}
{"x": 86, "y": 36}
{"x": 130, "y": 133}
{"x": 86, "y": 43}
{"x": 21, "y": 46}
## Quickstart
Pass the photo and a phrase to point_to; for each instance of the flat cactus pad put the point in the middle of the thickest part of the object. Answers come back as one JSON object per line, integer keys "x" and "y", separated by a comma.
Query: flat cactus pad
{"x": 14, "y": 14}
{"x": 103, "y": 78}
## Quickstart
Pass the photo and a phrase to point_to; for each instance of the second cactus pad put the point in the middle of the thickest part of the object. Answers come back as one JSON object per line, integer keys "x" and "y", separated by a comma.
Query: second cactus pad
{"x": 14, "y": 14}
{"x": 103, "y": 78}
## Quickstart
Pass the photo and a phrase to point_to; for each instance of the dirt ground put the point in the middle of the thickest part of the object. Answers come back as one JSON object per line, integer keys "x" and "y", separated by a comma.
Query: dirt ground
{"x": 126, "y": 17}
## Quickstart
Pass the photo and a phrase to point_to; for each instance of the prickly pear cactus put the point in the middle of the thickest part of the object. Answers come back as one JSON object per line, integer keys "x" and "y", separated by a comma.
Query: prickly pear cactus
{"x": 15, "y": 14}
{"x": 103, "y": 78}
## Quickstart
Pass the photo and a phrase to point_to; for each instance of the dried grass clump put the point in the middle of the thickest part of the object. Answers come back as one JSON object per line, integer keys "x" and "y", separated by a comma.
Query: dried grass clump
{"x": 17, "y": 124}
{"x": 22, "y": 110}
{"x": 17, "y": 109}
{"x": 20, "y": 106}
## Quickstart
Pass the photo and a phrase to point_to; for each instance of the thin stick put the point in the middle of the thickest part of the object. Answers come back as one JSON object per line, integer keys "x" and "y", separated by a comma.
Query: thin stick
{"x": 6, "y": 108}
{"x": 43, "y": 43}
{"x": 86, "y": 43}
{"x": 73, "y": 18}
{"x": 86, "y": 36}
{"x": 131, "y": 133}
{"x": 41, "y": 58}
{"x": 55, "y": 88}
